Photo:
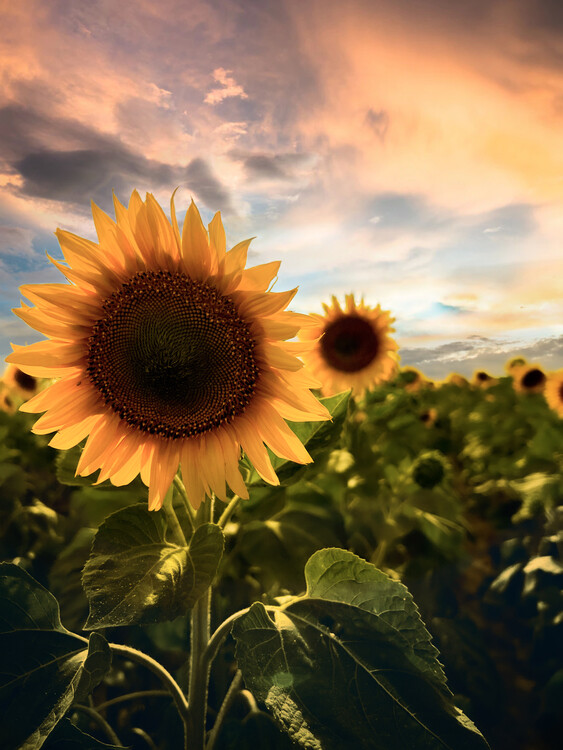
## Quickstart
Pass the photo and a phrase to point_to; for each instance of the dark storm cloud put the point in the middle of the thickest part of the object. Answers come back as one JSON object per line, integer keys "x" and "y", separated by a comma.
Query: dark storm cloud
{"x": 63, "y": 160}
{"x": 281, "y": 166}
{"x": 88, "y": 174}
{"x": 201, "y": 180}
{"x": 478, "y": 351}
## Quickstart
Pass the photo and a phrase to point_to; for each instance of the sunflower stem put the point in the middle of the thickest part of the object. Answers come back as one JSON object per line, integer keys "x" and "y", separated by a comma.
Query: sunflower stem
{"x": 232, "y": 692}
{"x": 225, "y": 516}
{"x": 164, "y": 676}
{"x": 189, "y": 509}
{"x": 172, "y": 519}
{"x": 199, "y": 666}
{"x": 93, "y": 714}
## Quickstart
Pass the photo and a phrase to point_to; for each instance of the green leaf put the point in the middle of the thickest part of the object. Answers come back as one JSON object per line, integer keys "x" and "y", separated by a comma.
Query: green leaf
{"x": 134, "y": 575}
{"x": 41, "y": 663}
{"x": 340, "y": 576}
{"x": 351, "y": 664}
{"x": 66, "y": 736}
{"x": 318, "y": 437}
{"x": 24, "y": 603}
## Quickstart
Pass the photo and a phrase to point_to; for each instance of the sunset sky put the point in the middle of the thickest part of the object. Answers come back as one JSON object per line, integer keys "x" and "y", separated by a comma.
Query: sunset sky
{"x": 408, "y": 151}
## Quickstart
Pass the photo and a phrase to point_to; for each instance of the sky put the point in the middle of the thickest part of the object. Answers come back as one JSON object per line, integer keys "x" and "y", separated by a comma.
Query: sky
{"x": 409, "y": 152}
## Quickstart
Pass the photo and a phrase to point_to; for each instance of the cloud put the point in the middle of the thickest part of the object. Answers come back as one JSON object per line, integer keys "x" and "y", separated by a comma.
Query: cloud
{"x": 203, "y": 182}
{"x": 229, "y": 88}
{"x": 466, "y": 355}
{"x": 16, "y": 241}
{"x": 83, "y": 164}
{"x": 280, "y": 166}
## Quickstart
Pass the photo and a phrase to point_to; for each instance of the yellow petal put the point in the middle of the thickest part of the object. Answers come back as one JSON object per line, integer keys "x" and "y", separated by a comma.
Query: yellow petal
{"x": 235, "y": 260}
{"x": 213, "y": 464}
{"x": 110, "y": 249}
{"x": 255, "y": 449}
{"x": 217, "y": 237}
{"x": 278, "y": 436}
{"x": 164, "y": 467}
{"x": 277, "y": 357}
{"x": 191, "y": 476}
{"x": 195, "y": 245}
{"x": 259, "y": 278}
{"x": 231, "y": 454}
{"x": 102, "y": 440}
{"x": 68, "y": 437}
{"x": 51, "y": 353}
{"x": 256, "y": 305}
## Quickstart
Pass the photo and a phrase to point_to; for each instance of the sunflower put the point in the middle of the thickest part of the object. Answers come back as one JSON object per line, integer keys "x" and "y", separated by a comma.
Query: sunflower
{"x": 6, "y": 402}
{"x": 411, "y": 379}
{"x": 429, "y": 417}
{"x": 528, "y": 379}
{"x": 482, "y": 379}
{"x": 354, "y": 349}
{"x": 19, "y": 382}
{"x": 169, "y": 352}
{"x": 455, "y": 378}
{"x": 553, "y": 391}
{"x": 514, "y": 363}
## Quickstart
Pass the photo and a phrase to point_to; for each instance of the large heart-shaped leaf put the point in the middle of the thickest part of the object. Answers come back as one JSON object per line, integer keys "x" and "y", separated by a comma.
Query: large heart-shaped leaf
{"x": 134, "y": 575}
{"x": 43, "y": 666}
{"x": 350, "y": 664}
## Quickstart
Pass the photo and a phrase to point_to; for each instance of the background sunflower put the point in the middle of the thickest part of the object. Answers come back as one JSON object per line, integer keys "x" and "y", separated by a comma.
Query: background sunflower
{"x": 353, "y": 347}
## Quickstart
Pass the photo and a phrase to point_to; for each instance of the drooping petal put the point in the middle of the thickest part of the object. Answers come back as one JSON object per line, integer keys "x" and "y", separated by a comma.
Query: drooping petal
{"x": 191, "y": 476}
{"x": 255, "y": 449}
{"x": 68, "y": 437}
{"x": 164, "y": 467}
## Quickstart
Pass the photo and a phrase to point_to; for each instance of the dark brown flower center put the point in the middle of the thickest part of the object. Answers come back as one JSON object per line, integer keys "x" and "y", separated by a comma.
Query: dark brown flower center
{"x": 561, "y": 393}
{"x": 171, "y": 356}
{"x": 533, "y": 378}
{"x": 27, "y": 382}
{"x": 483, "y": 376}
{"x": 349, "y": 344}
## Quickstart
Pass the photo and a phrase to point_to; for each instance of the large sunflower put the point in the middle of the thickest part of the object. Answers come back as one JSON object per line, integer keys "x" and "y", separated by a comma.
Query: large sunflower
{"x": 553, "y": 392}
{"x": 169, "y": 354}
{"x": 354, "y": 349}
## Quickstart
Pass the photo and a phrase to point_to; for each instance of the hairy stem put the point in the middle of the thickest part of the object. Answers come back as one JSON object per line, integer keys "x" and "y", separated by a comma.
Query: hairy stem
{"x": 224, "y": 710}
{"x": 133, "y": 696}
{"x": 164, "y": 676}
{"x": 225, "y": 516}
{"x": 99, "y": 720}
{"x": 188, "y": 506}
{"x": 199, "y": 667}
{"x": 172, "y": 520}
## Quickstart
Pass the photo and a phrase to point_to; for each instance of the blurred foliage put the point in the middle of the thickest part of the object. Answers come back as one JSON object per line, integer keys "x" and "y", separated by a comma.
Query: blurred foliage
{"x": 455, "y": 490}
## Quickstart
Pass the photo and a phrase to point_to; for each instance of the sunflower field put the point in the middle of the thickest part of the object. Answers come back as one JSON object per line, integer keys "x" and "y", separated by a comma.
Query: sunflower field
{"x": 307, "y": 546}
